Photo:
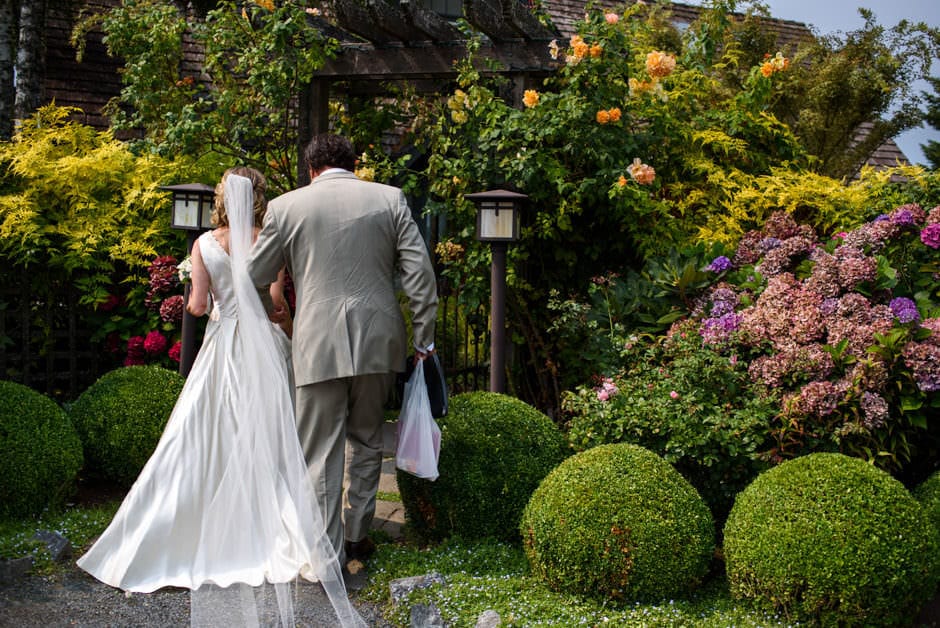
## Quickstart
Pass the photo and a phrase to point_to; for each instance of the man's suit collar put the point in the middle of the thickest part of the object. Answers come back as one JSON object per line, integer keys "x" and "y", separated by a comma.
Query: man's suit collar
{"x": 334, "y": 173}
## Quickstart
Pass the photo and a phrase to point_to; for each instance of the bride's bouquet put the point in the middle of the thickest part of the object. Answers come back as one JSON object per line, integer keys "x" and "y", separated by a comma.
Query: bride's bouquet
{"x": 185, "y": 270}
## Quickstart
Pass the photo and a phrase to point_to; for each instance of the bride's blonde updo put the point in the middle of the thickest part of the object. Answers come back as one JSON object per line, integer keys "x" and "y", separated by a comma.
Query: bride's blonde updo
{"x": 258, "y": 183}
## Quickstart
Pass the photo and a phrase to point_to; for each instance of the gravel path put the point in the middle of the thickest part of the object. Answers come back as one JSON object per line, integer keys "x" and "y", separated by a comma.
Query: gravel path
{"x": 73, "y": 598}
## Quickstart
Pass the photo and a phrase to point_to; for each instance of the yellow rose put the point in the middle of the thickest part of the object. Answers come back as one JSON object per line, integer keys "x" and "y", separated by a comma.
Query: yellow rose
{"x": 366, "y": 174}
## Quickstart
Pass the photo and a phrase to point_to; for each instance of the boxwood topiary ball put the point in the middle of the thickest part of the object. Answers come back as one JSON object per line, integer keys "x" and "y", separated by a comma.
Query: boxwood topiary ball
{"x": 40, "y": 453}
{"x": 831, "y": 539}
{"x": 618, "y": 521}
{"x": 121, "y": 416}
{"x": 928, "y": 494}
{"x": 495, "y": 450}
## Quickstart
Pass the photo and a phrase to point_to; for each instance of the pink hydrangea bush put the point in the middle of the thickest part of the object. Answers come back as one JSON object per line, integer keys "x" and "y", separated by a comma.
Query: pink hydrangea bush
{"x": 845, "y": 332}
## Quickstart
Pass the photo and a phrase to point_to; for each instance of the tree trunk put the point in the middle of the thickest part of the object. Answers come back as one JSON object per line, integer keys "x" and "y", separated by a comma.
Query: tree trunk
{"x": 7, "y": 55}
{"x": 31, "y": 57}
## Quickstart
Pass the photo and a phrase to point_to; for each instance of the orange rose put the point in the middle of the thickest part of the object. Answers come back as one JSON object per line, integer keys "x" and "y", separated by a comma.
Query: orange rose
{"x": 767, "y": 69}
{"x": 614, "y": 114}
{"x": 530, "y": 98}
{"x": 596, "y": 50}
{"x": 603, "y": 117}
{"x": 660, "y": 64}
{"x": 641, "y": 173}
{"x": 637, "y": 87}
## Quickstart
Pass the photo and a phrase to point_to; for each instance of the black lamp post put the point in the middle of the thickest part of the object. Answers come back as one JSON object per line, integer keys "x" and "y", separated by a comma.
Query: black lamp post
{"x": 499, "y": 214}
{"x": 192, "y": 211}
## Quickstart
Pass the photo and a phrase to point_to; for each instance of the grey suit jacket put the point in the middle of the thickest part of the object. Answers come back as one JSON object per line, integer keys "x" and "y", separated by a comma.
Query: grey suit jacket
{"x": 343, "y": 241}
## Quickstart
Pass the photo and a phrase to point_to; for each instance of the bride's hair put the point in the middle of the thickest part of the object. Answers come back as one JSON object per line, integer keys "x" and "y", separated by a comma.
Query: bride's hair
{"x": 258, "y": 183}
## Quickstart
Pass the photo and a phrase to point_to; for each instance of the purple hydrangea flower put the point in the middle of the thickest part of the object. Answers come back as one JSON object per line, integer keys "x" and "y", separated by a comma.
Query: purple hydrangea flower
{"x": 904, "y": 309}
{"x": 903, "y": 217}
{"x": 719, "y": 329}
{"x": 769, "y": 244}
{"x": 719, "y": 265}
{"x": 874, "y": 410}
{"x": 930, "y": 235}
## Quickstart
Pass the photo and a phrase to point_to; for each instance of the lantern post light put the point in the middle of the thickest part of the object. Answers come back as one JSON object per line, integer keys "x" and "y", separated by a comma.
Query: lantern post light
{"x": 192, "y": 211}
{"x": 499, "y": 214}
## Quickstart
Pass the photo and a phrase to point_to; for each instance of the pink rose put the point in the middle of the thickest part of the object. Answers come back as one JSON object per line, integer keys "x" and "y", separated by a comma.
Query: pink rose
{"x": 673, "y": 394}
{"x": 612, "y": 18}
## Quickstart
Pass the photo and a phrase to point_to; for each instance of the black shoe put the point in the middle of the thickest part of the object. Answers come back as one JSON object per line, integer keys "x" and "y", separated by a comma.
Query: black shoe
{"x": 360, "y": 550}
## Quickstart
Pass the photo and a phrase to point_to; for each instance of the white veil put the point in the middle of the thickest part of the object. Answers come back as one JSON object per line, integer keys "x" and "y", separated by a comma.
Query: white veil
{"x": 284, "y": 535}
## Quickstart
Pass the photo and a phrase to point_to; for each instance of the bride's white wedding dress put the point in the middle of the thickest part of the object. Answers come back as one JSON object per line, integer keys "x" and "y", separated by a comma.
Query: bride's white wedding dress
{"x": 225, "y": 499}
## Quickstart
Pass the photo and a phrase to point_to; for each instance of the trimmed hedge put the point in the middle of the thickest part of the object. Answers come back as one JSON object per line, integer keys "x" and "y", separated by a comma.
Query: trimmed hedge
{"x": 121, "y": 417}
{"x": 40, "y": 452}
{"x": 618, "y": 521}
{"x": 495, "y": 450}
{"x": 928, "y": 494}
{"x": 831, "y": 539}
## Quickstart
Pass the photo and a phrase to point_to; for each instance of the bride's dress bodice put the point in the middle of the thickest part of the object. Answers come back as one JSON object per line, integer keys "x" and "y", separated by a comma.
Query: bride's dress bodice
{"x": 219, "y": 265}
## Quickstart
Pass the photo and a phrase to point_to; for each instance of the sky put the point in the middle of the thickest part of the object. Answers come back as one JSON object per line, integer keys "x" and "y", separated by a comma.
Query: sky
{"x": 828, "y": 16}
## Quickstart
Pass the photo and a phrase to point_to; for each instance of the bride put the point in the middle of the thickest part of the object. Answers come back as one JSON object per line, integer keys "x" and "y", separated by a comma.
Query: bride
{"x": 224, "y": 506}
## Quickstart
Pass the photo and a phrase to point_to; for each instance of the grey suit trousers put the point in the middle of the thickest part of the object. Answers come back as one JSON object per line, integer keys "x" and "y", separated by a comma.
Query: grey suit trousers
{"x": 339, "y": 422}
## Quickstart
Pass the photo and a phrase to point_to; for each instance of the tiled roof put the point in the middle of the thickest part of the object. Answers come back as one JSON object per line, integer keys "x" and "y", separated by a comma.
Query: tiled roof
{"x": 567, "y": 13}
{"x": 888, "y": 155}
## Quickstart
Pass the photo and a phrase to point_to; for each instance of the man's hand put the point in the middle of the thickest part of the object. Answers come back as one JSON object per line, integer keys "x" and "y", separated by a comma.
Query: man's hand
{"x": 422, "y": 354}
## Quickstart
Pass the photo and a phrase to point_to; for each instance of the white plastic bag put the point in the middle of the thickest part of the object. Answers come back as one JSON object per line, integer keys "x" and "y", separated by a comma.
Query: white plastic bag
{"x": 419, "y": 437}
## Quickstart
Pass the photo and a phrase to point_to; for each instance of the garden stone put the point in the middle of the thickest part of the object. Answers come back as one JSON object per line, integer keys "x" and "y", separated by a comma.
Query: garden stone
{"x": 15, "y": 568}
{"x": 426, "y": 616}
{"x": 403, "y": 587}
{"x": 59, "y": 547}
{"x": 489, "y": 619}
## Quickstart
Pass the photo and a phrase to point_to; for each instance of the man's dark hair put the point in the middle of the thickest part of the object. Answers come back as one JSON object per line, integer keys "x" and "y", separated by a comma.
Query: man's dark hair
{"x": 328, "y": 150}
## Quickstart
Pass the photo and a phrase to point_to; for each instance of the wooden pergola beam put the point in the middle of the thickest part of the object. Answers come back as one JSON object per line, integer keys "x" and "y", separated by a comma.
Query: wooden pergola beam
{"x": 367, "y": 63}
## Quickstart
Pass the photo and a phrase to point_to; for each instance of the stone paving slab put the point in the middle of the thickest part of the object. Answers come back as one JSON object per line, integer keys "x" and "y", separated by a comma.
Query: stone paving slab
{"x": 389, "y": 515}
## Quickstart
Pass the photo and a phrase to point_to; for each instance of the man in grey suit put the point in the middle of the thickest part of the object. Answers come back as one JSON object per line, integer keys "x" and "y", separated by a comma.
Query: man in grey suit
{"x": 343, "y": 240}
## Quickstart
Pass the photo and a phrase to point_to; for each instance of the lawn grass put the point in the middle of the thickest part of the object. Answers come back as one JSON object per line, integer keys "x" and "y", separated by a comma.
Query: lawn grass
{"x": 485, "y": 575}
{"x": 490, "y": 575}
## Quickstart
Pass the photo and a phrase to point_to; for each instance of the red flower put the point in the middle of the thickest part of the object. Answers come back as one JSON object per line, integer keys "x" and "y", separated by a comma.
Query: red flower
{"x": 112, "y": 343}
{"x": 135, "y": 348}
{"x": 110, "y": 303}
{"x": 155, "y": 343}
{"x": 175, "y": 350}
{"x": 171, "y": 310}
